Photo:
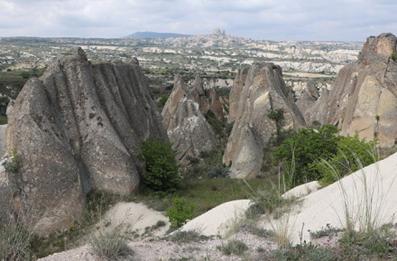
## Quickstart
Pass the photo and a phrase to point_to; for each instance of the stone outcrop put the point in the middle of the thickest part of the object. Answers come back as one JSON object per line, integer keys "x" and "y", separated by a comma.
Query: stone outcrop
{"x": 78, "y": 128}
{"x": 187, "y": 128}
{"x": 363, "y": 100}
{"x": 208, "y": 99}
{"x": 258, "y": 90}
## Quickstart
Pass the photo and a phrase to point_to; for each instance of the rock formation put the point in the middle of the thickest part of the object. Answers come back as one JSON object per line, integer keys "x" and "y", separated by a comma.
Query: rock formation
{"x": 363, "y": 100}
{"x": 258, "y": 90}
{"x": 208, "y": 99}
{"x": 187, "y": 128}
{"x": 76, "y": 129}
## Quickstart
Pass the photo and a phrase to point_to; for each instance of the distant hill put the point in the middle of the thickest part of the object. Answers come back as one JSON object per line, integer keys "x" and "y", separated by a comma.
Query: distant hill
{"x": 152, "y": 35}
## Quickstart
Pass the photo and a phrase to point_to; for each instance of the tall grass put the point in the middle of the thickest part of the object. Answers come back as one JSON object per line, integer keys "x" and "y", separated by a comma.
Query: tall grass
{"x": 110, "y": 245}
{"x": 276, "y": 210}
{"x": 15, "y": 241}
{"x": 364, "y": 206}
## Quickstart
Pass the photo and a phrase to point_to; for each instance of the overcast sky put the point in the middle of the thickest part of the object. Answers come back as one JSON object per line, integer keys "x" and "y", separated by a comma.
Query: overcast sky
{"x": 348, "y": 20}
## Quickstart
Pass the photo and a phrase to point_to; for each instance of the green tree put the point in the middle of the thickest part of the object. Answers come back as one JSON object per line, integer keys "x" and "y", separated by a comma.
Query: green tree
{"x": 161, "y": 167}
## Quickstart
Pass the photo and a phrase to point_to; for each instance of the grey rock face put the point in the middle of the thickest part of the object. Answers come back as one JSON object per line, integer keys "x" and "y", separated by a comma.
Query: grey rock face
{"x": 79, "y": 128}
{"x": 363, "y": 100}
{"x": 187, "y": 128}
{"x": 258, "y": 90}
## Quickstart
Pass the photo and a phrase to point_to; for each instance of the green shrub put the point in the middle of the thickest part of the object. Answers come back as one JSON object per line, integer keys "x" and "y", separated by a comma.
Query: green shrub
{"x": 14, "y": 242}
{"x": 353, "y": 154}
{"x": 161, "y": 167}
{"x": 110, "y": 245}
{"x": 394, "y": 56}
{"x": 13, "y": 164}
{"x": 180, "y": 211}
{"x": 233, "y": 247}
{"x": 305, "y": 147}
{"x": 303, "y": 155}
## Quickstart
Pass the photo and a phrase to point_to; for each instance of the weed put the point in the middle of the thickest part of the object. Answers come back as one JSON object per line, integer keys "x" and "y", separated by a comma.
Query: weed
{"x": 233, "y": 247}
{"x": 14, "y": 242}
{"x": 13, "y": 163}
{"x": 327, "y": 231}
{"x": 111, "y": 245}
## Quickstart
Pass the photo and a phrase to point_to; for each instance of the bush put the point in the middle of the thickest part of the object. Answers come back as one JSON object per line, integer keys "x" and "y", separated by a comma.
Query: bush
{"x": 161, "y": 167}
{"x": 233, "y": 247}
{"x": 110, "y": 245}
{"x": 13, "y": 163}
{"x": 353, "y": 154}
{"x": 180, "y": 211}
{"x": 14, "y": 242}
{"x": 307, "y": 154}
{"x": 394, "y": 56}
{"x": 302, "y": 149}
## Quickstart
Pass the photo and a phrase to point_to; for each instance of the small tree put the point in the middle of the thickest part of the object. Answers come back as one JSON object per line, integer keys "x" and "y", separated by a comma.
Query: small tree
{"x": 180, "y": 211}
{"x": 277, "y": 116}
{"x": 161, "y": 167}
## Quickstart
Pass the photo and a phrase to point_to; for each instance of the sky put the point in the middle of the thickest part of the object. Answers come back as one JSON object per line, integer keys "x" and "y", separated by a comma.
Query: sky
{"x": 323, "y": 20}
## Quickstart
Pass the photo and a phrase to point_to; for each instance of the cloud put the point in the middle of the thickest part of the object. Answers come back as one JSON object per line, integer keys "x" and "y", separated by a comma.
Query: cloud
{"x": 261, "y": 19}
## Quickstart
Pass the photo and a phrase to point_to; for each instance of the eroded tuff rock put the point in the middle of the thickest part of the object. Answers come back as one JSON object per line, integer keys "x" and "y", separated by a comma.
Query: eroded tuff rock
{"x": 187, "y": 128}
{"x": 258, "y": 90}
{"x": 363, "y": 100}
{"x": 78, "y": 128}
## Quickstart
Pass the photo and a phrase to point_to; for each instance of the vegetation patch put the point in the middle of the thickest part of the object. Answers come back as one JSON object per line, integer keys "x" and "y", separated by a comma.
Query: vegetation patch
{"x": 327, "y": 231}
{"x": 187, "y": 237}
{"x": 303, "y": 154}
{"x": 304, "y": 252}
{"x": 110, "y": 245}
{"x": 161, "y": 167}
{"x": 394, "y": 56}
{"x": 15, "y": 242}
{"x": 96, "y": 205}
{"x": 233, "y": 247}
{"x": 379, "y": 243}
{"x": 180, "y": 211}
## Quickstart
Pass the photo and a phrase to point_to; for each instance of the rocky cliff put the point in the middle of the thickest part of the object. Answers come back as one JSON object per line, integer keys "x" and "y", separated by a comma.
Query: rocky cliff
{"x": 258, "y": 91}
{"x": 363, "y": 100}
{"x": 76, "y": 129}
{"x": 187, "y": 128}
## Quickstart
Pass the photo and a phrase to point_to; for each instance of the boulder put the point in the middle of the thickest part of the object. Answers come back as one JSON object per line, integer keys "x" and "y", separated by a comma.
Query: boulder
{"x": 187, "y": 128}
{"x": 76, "y": 129}
{"x": 363, "y": 100}
{"x": 260, "y": 90}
